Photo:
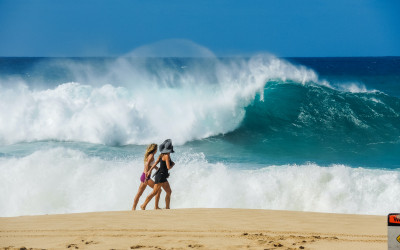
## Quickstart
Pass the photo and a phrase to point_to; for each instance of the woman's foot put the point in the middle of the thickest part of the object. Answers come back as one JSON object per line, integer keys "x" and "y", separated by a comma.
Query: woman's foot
{"x": 143, "y": 207}
{"x": 157, "y": 208}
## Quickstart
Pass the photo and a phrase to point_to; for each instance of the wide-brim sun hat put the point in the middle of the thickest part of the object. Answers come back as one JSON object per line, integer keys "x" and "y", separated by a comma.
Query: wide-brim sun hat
{"x": 166, "y": 147}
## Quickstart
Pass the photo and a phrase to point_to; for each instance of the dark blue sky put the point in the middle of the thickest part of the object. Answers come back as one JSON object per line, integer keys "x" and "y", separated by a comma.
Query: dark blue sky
{"x": 281, "y": 27}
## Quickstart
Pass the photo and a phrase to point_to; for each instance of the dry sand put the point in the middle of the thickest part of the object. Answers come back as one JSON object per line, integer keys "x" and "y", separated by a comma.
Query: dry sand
{"x": 195, "y": 228}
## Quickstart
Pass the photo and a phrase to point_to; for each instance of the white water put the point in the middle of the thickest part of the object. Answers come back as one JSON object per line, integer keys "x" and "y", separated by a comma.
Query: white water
{"x": 129, "y": 104}
{"x": 65, "y": 181}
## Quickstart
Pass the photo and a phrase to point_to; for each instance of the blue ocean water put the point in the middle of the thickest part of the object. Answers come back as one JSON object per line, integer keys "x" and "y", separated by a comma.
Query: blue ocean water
{"x": 306, "y": 134}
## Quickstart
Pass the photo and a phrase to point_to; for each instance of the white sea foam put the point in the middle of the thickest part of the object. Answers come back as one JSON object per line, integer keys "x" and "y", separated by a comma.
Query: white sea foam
{"x": 132, "y": 104}
{"x": 65, "y": 181}
{"x": 354, "y": 87}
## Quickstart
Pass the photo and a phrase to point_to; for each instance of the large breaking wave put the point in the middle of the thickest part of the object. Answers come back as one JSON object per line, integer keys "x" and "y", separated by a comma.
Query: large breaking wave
{"x": 137, "y": 101}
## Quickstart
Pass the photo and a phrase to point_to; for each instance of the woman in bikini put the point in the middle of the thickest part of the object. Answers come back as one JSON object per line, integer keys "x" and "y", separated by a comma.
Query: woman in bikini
{"x": 160, "y": 178}
{"x": 145, "y": 178}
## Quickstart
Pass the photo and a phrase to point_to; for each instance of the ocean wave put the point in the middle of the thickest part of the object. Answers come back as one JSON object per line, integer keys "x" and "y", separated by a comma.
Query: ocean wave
{"x": 139, "y": 101}
{"x": 135, "y": 101}
{"x": 64, "y": 180}
{"x": 324, "y": 114}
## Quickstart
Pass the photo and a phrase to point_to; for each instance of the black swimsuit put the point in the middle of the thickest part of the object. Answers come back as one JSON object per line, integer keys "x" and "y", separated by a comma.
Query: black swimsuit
{"x": 162, "y": 174}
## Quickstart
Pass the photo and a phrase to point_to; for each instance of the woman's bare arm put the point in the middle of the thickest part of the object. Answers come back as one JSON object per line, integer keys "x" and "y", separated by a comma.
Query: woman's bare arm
{"x": 169, "y": 166}
{"x": 154, "y": 166}
{"x": 148, "y": 162}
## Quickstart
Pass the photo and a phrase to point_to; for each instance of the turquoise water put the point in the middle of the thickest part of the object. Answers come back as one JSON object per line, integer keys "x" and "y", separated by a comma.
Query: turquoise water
{"x": 307, "y": 134}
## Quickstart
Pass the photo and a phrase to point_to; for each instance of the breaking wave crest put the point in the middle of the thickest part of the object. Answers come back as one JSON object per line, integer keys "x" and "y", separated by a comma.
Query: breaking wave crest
{"x": 136, "y": 101}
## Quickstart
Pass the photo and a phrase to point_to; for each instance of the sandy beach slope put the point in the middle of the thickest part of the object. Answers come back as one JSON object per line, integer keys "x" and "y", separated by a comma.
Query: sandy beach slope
{"x": 195, "y": 228}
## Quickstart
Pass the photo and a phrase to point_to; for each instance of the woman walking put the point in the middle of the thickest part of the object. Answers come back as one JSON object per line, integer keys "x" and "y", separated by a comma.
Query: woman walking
{"x": 160, "y": 177}
{"x": 145, "y": 178}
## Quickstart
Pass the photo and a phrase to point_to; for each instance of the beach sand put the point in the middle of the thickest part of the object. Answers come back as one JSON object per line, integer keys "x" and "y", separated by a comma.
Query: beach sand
{"x": 195, "y": 229}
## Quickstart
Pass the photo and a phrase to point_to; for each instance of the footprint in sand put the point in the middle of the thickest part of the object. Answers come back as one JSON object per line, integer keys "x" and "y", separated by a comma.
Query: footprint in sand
{"x": 195, "y": 246}
{"x": 136, "y": 247}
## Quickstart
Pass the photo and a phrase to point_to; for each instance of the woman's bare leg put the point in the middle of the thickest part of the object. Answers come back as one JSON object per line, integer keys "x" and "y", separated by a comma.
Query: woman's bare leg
{"x": 157, "y": 200}
{"x": 156, "y": 189}
{"x": 167, "y": 188}
{"x": 151, "y": 184}
{"x": 142, "y": 187}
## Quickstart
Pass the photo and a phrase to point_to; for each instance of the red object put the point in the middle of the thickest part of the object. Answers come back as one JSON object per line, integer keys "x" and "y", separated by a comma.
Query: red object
{"x": 394, "y": 218}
